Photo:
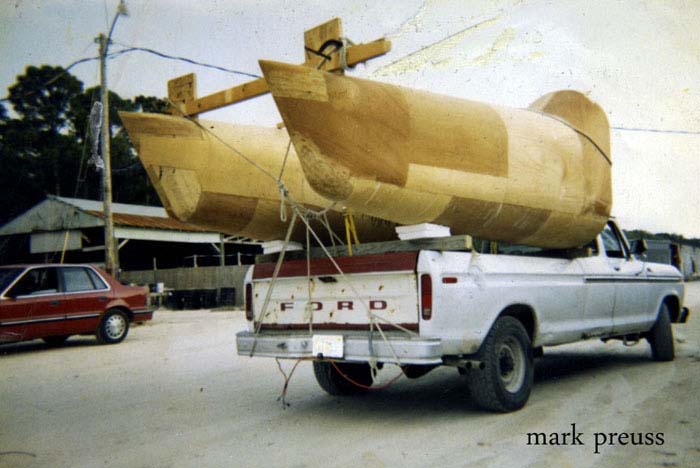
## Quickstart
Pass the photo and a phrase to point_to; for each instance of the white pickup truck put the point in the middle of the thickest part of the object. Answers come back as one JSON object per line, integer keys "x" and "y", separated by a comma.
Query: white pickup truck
{"x": 488, "y": 315}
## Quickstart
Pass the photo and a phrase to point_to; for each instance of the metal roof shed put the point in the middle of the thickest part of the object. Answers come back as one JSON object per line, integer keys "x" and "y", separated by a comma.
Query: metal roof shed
{"x": 61, "y": 224}
{"x": 58, "y": 215}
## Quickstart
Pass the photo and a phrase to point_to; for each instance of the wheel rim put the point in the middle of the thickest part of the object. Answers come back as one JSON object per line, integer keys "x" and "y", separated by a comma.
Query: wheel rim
{"x": 115, "y": 325}
{"x": 511, "y": 365}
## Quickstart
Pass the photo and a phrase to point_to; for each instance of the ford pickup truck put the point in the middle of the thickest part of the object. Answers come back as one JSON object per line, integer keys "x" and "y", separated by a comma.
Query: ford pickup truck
{"x": 487, "y": 314}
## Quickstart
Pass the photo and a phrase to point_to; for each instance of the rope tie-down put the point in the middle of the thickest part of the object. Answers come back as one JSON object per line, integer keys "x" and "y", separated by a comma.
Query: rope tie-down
{"x": 306, "y": 215}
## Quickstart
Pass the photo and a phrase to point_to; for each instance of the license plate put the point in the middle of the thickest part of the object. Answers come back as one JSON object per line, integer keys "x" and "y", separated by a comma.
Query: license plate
{"x": 330, "y": 346}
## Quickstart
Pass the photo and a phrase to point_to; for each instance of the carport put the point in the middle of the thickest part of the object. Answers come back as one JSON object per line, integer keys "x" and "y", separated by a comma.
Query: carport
{"x": 61, "y": 229}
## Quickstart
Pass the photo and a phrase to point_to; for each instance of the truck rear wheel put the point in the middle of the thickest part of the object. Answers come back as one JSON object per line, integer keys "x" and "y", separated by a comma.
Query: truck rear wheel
{"x": 505, "y": 381}
{"x": 334, "y": 383}
{"x": 660, "y": 337}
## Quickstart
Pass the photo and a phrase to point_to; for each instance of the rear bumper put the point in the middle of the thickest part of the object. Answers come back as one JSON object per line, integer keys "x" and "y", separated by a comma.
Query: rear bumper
{"x": 289, "y": 345}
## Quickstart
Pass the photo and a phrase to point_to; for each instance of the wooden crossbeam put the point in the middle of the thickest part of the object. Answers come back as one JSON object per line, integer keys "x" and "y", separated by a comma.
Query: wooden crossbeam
{"x": 182, "y": 91}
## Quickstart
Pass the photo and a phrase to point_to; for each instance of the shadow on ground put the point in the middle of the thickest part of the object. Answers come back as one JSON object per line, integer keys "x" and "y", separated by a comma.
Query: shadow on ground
{"x": 39, "y": 345}
{"x": 443, "y": 392}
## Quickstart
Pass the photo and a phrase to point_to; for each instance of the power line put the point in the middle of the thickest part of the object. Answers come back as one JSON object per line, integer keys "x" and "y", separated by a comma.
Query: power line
{"x": 133, "y": 166}
{"x": 181, "y": 59}
{"x": 64, "y": 72}
{"x": 129, "y": 49}
{"x": 656, "y": 130}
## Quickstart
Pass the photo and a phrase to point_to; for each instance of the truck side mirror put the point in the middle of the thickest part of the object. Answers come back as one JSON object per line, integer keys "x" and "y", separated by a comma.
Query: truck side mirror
{"x": 640, "y": 247}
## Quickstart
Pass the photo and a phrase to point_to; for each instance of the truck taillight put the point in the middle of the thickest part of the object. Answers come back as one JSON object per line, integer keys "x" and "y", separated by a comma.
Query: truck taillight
{"x": 426, "y": 296}
{"x": 249, "y": 301}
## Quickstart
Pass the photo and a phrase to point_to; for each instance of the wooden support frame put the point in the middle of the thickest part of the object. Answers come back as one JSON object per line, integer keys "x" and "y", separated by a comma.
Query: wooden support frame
{"x": 182, "y": 91}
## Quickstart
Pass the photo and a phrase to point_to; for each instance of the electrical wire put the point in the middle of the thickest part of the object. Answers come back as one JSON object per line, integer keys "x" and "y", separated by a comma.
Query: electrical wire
{"x": 656, "y": 130}
{"x": 130, "y": 167}
{"x": 127, "y": 49}
{"x": 59, "y": 75}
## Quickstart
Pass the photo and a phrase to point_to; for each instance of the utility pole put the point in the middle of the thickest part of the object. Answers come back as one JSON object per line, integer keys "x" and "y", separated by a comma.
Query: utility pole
{"x": 111, "y": 259}
{"x": 111, "y": 256}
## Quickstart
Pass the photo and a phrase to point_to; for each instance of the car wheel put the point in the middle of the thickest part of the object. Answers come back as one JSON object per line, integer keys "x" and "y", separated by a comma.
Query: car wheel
{"x": 660, "y": 337}
{"x": 505, "y": 380}
{"x": 113, "y": 327}
{"x": 334, "y": 383}
{"x": 55, "y": 340}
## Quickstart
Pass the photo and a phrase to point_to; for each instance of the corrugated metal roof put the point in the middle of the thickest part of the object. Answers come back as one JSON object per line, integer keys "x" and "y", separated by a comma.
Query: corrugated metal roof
{"x": 97, "y": 206}
{"x": 60, "y": 213}
{"x": 153, "y": 217}
{"x": 153, "y": 222}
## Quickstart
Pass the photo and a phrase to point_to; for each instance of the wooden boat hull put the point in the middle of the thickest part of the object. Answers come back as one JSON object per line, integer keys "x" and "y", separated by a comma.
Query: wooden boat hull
{"x": 202, "y": 181}
{"x": 538, "y": 176}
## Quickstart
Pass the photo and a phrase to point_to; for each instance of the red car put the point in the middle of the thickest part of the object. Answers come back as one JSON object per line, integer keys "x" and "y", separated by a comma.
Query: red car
{"x": 53, "y": 302}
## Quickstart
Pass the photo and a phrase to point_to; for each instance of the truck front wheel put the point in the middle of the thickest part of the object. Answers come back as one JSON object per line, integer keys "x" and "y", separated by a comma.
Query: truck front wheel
{"x": 660, "y": 337}
{"x": 355, "y": 378}
{"x": 504, "y": 382}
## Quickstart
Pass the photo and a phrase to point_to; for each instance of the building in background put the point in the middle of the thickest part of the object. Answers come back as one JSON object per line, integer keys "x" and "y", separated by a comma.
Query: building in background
{"x": 685, "y": 257}
{"x": 71, "y": 230}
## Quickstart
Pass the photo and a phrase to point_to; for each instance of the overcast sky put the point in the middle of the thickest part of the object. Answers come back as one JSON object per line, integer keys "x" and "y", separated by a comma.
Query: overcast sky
{"x": 639, "y": 59}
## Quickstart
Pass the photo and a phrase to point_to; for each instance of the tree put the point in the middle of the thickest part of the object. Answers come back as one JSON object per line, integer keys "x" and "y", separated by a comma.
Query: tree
{"x": 151, "y": 104}
{"x": 42, "y": 96}
{"x": 46, "y": 148}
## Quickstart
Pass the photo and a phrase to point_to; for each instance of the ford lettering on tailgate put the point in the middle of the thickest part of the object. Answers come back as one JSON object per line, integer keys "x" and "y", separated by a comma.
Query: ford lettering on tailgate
{"x": 293, "y": 304}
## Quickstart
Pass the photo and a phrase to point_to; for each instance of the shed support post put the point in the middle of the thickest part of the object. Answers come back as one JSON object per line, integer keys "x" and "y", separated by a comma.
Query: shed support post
{"x": 222, "y": 265}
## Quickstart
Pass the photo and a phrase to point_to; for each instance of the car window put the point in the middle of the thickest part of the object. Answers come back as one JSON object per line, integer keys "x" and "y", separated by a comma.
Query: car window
{"x": 612, "y": 245}
{"x": 96, "y": 279}
{"x": 36, "y": 281}
{"x": 77, "y": 279}
{"x": 593, "y": 245}
{"x": 8, "y": 275}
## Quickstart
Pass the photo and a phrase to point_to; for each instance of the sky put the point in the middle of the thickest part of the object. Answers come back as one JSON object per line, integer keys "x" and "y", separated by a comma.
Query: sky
{"x": 639, "y": 59}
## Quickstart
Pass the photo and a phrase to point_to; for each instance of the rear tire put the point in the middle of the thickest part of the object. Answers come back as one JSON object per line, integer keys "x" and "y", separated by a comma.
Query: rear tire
{"x": 505, "y": 382}
{"x": 660, "y": 337}
{"x": 330, "y": 380}
{"x": 113, "y": 327}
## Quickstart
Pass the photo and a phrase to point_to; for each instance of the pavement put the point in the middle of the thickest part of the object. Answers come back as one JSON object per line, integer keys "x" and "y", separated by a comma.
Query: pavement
{"x": 176, "y": 394}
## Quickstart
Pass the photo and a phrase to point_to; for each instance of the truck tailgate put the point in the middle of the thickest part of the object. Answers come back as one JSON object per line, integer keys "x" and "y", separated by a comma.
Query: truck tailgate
{"x": 385, "y": 284}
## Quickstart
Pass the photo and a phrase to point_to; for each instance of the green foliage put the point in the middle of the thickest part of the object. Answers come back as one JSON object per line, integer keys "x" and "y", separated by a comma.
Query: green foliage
{"x": 41, "y": 97}
{"x": 45, "y": 148}
{"x": 150, "y": 104}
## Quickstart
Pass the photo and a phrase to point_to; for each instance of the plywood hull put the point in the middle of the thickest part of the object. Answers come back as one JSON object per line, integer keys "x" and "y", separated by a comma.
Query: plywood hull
{"x": 201, "y": 180}
{"x": 538, "y": 176}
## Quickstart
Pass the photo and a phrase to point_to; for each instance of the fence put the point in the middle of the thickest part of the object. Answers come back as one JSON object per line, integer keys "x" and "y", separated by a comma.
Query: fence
{"x": 191, "y": 279}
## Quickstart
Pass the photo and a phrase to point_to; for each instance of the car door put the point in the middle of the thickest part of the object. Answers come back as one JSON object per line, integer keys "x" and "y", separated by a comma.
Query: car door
{"x": 628, "y": 275}
{"x": 14, "y": 312}
{"x": 39, "y": 293}
{"x": 599, "y": 292}
{"x": 86, "y": 296}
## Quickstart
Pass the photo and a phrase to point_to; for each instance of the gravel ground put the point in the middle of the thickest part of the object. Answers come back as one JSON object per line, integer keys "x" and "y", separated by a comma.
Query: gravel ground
{"x": 176, "y": 394}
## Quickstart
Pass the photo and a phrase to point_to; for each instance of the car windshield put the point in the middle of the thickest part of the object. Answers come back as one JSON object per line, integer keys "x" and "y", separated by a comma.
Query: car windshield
{"x": 7, "y": 276}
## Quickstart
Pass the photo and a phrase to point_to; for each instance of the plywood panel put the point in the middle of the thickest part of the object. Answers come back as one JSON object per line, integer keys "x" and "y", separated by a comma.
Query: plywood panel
{"x": 201, "y": 180}
{"x": 539, "y": 176}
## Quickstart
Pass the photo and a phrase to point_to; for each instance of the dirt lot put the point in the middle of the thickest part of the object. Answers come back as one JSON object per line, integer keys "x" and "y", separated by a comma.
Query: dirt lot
{"x": 176, "y": 394}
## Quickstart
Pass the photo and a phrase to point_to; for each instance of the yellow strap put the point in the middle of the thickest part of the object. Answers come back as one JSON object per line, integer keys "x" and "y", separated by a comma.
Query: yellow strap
{"x": 65, "y": 246}
{"x": 350, "y": 230}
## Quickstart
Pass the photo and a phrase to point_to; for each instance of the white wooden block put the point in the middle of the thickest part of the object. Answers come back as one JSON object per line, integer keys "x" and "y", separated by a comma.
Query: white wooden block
{"x": 422, "y": 231}
{"x": 275, "y": 246}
